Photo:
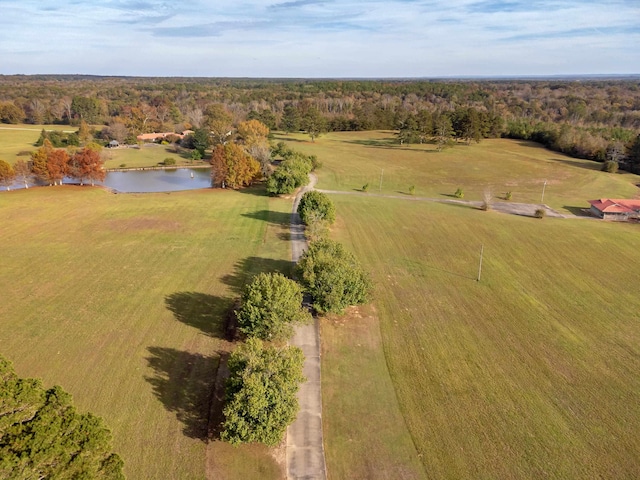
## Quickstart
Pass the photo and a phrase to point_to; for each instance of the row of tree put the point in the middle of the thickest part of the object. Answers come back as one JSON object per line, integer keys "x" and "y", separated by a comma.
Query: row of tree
{"x": 42, "y": 435}
{"x": 292, "y": 172}
{"x": 49, "y": 166}
{"x": 265, "y": 377}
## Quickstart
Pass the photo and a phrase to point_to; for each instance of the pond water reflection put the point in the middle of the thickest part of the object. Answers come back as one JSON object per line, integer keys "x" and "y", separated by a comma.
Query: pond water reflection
{"x": 147, "y": 181}
{"x": 150, "y": 181}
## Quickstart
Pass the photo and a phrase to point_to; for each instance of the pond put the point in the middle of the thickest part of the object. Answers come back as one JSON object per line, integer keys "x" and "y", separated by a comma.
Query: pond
{"x": 151, "y": 181}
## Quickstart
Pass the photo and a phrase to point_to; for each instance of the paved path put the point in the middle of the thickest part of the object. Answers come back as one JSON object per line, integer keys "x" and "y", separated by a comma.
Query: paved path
{"x": 513, "y": 208}
{"x": 305, "y": 451}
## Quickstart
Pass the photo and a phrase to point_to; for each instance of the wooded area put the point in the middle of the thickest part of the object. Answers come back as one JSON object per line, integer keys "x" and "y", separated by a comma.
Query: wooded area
{"x": 594, "y": 119}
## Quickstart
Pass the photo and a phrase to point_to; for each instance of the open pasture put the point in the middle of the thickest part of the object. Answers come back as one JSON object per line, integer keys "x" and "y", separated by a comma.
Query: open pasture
{"x": 529, "y": 373}
{"x": 121, "y": 300}
{"x": 352, "y": 159}
{"x": 148, "y": 155}
{"x": 21, "y": 138}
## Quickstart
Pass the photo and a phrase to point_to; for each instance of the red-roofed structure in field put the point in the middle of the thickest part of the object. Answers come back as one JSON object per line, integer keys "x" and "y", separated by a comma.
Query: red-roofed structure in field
{"x": 615, "y": 209}
{"x": 152, "y": 137}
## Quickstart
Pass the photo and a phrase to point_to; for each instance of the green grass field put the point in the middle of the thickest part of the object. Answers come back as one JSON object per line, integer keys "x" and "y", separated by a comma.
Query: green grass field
{"x": 352, "y": 159}
{"x": 120, "y": 299}
{"x": 530, "y": 373}
{"x": 21, "y": 138}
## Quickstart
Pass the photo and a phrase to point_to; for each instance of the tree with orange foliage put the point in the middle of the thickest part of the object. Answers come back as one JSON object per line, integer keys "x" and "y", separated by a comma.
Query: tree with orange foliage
{"x": 39, "y": 162}
{"x": 253, "y": 132}
{"x": 232, "y": 167}
{"x": 7, "y": 174}
{"x": 57, "y": 165}
{"x": 86, "y": 164}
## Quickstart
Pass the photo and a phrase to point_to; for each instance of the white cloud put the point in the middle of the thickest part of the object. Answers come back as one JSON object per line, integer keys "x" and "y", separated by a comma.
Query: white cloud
{"x": 320, "y": 38}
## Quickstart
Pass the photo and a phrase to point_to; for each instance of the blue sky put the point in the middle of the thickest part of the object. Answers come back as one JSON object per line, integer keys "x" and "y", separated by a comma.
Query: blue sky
{"x": 320, "y": 38}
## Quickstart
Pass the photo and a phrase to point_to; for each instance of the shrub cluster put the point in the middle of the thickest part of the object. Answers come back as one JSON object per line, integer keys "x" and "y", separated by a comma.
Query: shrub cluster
{"x": 333, "y": 276}
{"x": 271, "y": 304}
{"x": 610, "y": 166}
{"x": 292, "y": 172}
{"x": 316, "y": 206}
{"x": 261, "y": 392}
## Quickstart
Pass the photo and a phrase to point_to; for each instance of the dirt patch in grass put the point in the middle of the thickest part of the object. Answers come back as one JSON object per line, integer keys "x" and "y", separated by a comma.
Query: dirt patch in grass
{"x": 359, "y": 323}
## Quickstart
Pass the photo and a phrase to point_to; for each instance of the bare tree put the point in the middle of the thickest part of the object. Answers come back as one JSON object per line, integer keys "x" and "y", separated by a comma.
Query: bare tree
{"x": 67, "y": 103}
{"x": 36, "y": 111}
{"x": 616, "y": 152}
{"x": 262, "y": 153}
{"x": 487, "y": 199}
{"x": 195, "y": 117}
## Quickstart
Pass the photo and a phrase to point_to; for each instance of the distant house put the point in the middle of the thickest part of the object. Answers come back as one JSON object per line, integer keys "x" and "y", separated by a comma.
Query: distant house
{"x": 154, "y": 137}
{"x": 113, "y": 144}
{"x": 615, "y": 209}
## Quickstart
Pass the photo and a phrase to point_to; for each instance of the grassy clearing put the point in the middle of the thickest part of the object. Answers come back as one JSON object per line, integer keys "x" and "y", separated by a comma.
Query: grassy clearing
{"x": 149, "y": 155}
{"x": 530, "y": 373}
{"x": 21, "y": 138}
{"x": 365, "y": 433}
{"x": 18, "y": 138}
{"x": 120, "y": 299}
{"x": 352, "y": 159}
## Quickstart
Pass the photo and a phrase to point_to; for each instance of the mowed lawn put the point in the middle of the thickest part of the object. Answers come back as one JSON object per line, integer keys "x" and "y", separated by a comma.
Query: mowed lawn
{"x": 15, "y": 139}
{"x": 352, "y": 159}
{"x": 148, "y": 155}
{"x": 120, "y": 299}
{"x": 530, "y": 373}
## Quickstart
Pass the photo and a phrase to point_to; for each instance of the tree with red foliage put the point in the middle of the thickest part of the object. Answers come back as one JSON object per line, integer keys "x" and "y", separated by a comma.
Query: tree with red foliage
{"x": 86, "y": 164}
{"x": 57, "y": 165}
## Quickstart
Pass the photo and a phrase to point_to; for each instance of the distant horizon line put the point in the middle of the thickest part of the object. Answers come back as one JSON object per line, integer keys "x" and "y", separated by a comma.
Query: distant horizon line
{"x": 599, "y": 76}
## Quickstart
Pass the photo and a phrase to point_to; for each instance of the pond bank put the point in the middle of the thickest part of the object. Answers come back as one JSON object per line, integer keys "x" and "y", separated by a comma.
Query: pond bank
{"x": 157, "y": 167}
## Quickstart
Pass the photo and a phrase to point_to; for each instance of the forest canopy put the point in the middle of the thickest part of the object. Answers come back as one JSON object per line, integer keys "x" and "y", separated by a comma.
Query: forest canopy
{"x": 588, "y": 118}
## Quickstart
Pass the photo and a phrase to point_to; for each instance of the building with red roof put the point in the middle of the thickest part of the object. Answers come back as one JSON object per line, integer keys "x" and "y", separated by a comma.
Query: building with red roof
{"x": 615, "y": 209}
{"x": 152, "y": 137}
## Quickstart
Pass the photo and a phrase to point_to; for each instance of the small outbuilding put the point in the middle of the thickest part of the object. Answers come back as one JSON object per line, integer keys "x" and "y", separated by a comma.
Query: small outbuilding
{"x": 615, "y": 209}
{"x": 113, "y": 144}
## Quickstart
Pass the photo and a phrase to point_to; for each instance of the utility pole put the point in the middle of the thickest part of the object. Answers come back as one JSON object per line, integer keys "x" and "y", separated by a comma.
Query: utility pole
{"x": 543, "y": 187}
{"x": 480, "y": 266}
{"x": 381, "y": 173}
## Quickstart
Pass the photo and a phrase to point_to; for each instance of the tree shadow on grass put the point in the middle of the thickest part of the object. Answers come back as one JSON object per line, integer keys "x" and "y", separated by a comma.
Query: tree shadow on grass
{"x": 371, "y": 142}
{"x": 200, "y": 310}
{"x": 258, "y": 189}
{"x": 586, "y": 164}
{"x": 282, "y": 219}
{"x": 184, "y": 383}
{"x": 249, "y": 267}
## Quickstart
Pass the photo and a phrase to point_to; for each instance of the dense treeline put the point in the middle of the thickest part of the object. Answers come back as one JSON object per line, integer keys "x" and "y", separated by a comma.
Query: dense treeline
{"x": 594, "y": 119}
